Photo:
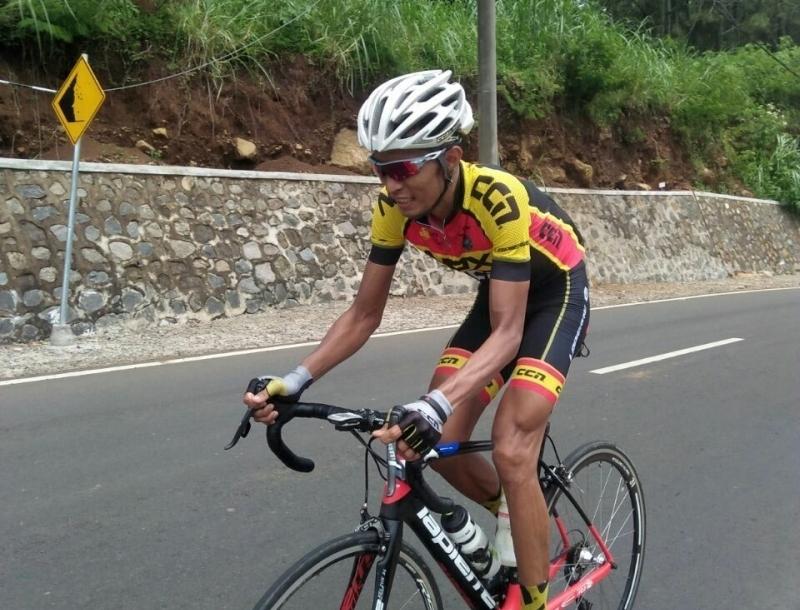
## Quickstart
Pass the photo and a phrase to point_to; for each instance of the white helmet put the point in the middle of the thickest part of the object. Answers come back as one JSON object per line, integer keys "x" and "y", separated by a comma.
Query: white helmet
{"x": 417, "y": 110}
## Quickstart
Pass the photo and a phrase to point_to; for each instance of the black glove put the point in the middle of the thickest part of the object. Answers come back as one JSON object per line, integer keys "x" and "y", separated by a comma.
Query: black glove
{"x": 421, "y": 421}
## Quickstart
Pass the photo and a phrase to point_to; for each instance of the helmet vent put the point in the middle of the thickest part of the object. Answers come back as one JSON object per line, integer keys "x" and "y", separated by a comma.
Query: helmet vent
{"x": 422, "y": 123}
{"x": 426, "y": 96}
{"x": 376, "y": 113}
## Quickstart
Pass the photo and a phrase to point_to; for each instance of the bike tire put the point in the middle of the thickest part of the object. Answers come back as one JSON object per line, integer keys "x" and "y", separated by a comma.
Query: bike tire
{"x": 414, "y": 586}
{"x": 599, "y": 472}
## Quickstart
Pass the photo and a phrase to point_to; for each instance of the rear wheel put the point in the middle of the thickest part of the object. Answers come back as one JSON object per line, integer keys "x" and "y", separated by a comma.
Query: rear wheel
{"x": 340, "y": 575}
{"x": 604, "y": 483}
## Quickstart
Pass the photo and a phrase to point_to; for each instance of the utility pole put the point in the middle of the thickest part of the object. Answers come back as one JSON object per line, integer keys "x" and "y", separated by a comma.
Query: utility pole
{"x": 487, "y": 77}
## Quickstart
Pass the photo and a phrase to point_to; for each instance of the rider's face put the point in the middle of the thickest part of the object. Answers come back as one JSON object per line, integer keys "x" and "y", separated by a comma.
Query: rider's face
{"x": 415, "y": 194}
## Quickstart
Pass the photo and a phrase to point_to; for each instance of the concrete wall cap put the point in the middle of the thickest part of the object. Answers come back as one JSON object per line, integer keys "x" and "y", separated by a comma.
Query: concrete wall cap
{"x": 174, "y": 170}
{"x": 201, "y": 172}
{"x": 576, "y": 191}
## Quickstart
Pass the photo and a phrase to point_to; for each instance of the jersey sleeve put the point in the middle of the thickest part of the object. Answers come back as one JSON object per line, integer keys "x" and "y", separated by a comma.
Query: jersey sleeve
{"x": 384, "y": 256}
{"x": 387, "y": 224}
{"x": 511, "y": 272}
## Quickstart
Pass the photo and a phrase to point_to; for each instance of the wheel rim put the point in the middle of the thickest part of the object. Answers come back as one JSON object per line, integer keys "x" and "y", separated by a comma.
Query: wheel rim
{"x": 330, "y": 585}
{"x": 606, "y": 487}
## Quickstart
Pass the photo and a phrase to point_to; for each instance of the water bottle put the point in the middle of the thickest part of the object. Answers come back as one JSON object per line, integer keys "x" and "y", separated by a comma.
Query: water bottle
{"x": 503, "y": 544}
{"x": 471, "y": 541}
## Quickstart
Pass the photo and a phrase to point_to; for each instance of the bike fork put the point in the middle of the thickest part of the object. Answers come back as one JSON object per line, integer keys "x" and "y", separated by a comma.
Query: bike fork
{"x": 384, "y": 573}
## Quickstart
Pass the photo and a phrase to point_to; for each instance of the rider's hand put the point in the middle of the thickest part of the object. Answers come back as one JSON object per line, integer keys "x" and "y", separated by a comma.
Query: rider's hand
{"x": 289, "y": 388}
{"x": 420, "y": 424}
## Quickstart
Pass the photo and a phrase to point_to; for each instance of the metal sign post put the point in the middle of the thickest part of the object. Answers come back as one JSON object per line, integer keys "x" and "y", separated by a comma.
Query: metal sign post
{"x": 62, "y": 333}
{"x": 76, "y": 103}
{"x": 487, "y": 76}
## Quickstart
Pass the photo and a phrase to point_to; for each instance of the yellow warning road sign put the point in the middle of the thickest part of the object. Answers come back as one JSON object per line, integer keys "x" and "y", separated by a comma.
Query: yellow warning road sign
{"x": 77, "y": 101}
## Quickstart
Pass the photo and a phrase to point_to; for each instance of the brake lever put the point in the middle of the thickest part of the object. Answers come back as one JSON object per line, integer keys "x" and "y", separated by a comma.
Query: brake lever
{"x": 255, "y": 386}
{"x": 373, "y": 421}
{"x": 393, "y": 467}
{"x": 242, "y": 430}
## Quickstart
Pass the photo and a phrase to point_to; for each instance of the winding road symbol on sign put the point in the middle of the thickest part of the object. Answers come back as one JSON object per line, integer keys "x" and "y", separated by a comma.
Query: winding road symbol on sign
{"x": 67, "y": 100}
{"x": 77, "y": 101}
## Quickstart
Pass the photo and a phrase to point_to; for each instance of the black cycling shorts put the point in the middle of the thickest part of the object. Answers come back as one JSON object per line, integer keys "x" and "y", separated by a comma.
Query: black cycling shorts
{"x": 556, "y": 319}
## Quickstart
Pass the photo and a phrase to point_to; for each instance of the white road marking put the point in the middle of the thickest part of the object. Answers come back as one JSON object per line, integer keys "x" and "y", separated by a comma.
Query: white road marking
{"x": 275, "y": 348}
{"x": 659, "y": 357}
{"x": 689, "y": 298}
{"x": 243, "y": 352}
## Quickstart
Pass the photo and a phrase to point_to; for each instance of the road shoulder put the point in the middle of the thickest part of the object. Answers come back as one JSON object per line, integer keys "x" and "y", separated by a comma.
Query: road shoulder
{"x": 125, "y": 345}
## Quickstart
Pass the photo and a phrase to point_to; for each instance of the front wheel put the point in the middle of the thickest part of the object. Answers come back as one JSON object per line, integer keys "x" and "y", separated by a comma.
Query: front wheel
{"x": 604, "y": 483}
{"x": 339, "y": 575}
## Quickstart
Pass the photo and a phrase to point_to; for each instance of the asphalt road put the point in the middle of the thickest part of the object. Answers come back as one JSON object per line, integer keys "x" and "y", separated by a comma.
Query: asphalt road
{"x": 116, "y": 493}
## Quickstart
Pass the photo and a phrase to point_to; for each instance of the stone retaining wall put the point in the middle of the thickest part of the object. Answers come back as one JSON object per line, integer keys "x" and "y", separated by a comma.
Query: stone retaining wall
{"x": 164, "y": 245}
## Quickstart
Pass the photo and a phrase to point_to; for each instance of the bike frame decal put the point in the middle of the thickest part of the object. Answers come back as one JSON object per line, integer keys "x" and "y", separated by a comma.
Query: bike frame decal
{"x": 446, "y": 449}
{"x": 385, "y": 569}
{"x": 573, "y": 592}
{"x": 453, "y": 563}
{"x": 401, "y": 490}
{"x": 361, "y": 568}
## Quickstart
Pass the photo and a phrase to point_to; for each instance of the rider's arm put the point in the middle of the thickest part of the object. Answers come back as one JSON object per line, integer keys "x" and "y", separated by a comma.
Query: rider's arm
{"x": 343, "y": 338}
{"x": 507, "y": 303}
{"x": 355, "y": 325}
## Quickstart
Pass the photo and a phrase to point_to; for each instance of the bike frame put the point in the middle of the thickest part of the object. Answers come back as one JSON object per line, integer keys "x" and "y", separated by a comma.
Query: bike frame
{"x": 403, "y": 506}
{"x": 407, "y": 499}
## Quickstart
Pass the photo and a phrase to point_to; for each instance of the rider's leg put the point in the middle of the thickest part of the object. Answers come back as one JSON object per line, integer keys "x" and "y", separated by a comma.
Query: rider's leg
{"x": 471, "y": 473}
{"x": 555, "y": 326}
{"x": 518, "y": 433}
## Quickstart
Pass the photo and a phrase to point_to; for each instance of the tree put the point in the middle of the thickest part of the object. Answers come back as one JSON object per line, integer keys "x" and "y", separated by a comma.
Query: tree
{"x": 713, "y": 24}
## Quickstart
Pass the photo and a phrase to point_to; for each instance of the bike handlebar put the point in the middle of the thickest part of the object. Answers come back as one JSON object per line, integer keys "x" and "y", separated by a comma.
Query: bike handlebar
{"x": 364, "y": 420}
{"x": 307, "y": 410}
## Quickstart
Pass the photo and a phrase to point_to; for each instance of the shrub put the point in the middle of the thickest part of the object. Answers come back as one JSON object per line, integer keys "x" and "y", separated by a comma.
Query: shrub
{"x": 775, "y": 172}
{"x": 64, "y": 21}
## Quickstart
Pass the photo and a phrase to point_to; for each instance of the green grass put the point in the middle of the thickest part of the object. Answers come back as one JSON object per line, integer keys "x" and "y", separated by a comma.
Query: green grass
{"x": 775, "y": 171}
{"x": 49, "y": 23}
{"x": 362, "y": 40}
{"x": 552, "y": 55}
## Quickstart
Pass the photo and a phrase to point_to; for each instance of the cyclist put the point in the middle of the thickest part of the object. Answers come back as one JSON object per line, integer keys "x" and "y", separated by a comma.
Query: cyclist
{"x": 529, "y": 317}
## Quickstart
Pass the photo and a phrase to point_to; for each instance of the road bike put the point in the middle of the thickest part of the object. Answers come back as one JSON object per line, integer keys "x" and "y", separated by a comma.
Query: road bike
{"x": 594, "y": 500}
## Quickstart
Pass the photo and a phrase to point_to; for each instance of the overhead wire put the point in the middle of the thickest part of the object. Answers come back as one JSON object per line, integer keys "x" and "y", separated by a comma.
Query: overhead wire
{"x": 24, "y": 86}
{"x": 736, "y": 25}
{"x": 769, "y": 52}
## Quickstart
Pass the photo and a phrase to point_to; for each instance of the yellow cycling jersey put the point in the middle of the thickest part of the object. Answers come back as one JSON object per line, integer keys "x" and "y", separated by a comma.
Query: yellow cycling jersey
{"x": 498, "y": 218}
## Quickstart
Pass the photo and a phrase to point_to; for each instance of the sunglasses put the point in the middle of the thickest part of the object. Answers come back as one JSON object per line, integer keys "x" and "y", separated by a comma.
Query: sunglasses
{"x": 402, "y": 169}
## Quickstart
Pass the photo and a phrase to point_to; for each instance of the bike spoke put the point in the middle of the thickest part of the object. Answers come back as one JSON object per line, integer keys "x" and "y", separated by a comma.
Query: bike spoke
{"x": 349, "y": 563}
{"x": 410, "y": 600}
{"x": 601, "y": 485}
